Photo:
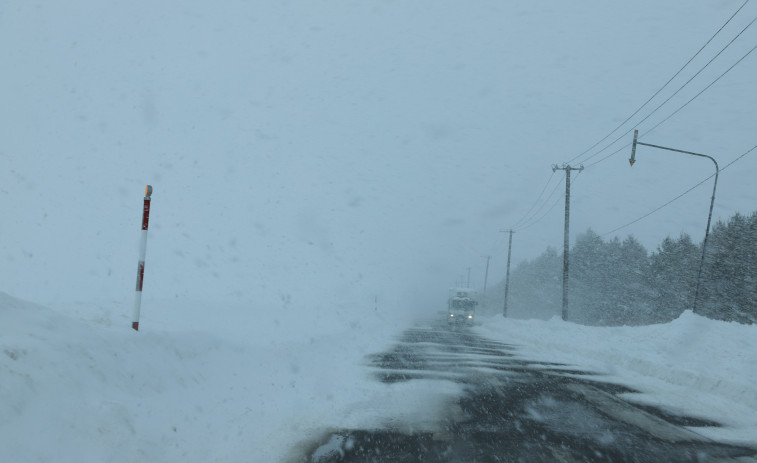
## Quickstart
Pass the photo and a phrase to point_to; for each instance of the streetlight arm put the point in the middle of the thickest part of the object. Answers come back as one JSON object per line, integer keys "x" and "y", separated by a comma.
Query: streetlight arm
{"x": 712, "y": 201}
{"x": 682, "y": 151}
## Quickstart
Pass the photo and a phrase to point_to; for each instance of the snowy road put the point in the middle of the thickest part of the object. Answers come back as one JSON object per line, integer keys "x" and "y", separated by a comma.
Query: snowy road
{"x": 515, "y": 410}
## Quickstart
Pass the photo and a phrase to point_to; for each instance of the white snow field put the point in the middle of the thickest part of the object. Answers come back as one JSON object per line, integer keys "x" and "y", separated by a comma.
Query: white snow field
{"x": 78, "y": 385}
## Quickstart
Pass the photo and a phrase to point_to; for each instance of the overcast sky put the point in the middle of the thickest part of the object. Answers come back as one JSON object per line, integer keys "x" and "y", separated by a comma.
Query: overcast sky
{"x": 357, "y": 150}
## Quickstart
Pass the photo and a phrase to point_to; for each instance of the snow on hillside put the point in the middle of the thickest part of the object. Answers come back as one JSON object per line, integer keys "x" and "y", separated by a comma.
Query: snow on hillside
{"x": 692, "y": 366}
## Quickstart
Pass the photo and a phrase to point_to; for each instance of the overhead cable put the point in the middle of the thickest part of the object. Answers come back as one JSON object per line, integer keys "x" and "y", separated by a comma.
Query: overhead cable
{"x": 679, "y": 89}
{"x": 676, "y": 111}
{"x": 533, "y": 221}
{"x": 523, "y": 218}
{"x": 703, "y": 90}
{"x": 661, "y": 88}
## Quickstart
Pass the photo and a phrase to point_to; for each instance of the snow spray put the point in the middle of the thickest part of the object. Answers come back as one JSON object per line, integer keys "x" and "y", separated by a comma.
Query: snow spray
{"x": 142, "y": 252}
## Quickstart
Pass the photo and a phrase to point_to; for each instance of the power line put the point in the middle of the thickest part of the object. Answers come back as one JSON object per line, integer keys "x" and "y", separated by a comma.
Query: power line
{"x": 531, "y": 222}
{"x": 624, "y": 147}
{"x": 661, "y": 88}
{"x": 681, "y": 88}
{"x": 660, "y": 207}
{"x": 703, "y": 90}
{"x": 674, "y": 112}
{"x": 738, "y": 158}
{"x": 557, "y": 201}
{"x": 676, "y": 92}
{"x": 523, "y": 218}
{"x": 492, "y": 249}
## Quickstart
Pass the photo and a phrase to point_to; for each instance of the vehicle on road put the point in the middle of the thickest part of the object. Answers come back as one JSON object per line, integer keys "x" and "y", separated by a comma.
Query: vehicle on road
{"x": 461, "y": 306}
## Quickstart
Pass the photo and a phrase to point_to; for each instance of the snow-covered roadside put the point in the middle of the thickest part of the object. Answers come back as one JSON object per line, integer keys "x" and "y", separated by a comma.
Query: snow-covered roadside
{"x": 78, "y": 385}
{"x": 693, "y": 366}
{"x": 81, "y": 387}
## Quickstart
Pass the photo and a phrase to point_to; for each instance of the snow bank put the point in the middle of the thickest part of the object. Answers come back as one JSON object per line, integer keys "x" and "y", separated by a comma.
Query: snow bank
{"x": 78, "y": 385}
{"x": 692, "y": 366}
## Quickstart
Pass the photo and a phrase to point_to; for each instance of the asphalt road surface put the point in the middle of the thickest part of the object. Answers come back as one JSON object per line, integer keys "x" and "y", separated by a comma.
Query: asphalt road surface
{"x": 514, "y": 410}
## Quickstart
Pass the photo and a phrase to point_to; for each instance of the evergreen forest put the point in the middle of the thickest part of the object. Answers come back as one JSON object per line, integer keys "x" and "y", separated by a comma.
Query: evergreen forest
{"x": 620, "y": 283}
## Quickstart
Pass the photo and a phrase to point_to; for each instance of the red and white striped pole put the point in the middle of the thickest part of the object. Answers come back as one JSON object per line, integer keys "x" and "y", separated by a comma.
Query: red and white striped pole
{"x": 142, "y": 252}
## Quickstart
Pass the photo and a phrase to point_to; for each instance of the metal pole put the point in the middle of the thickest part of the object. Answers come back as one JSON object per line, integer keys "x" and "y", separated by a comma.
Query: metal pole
{"x": 507, "y": 275}
{"x": 467, "y": 285}
{"x": 712, "y": 201}
{"x": 706, "y": 236}
{"x": 142, "y": 252}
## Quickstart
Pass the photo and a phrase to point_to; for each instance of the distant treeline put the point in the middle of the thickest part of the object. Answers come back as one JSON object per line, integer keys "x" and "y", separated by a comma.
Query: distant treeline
{"x": 619, "y": 283}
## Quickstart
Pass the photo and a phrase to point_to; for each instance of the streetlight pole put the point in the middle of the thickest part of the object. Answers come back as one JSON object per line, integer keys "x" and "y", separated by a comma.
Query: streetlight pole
{"x": 632, "y": 160}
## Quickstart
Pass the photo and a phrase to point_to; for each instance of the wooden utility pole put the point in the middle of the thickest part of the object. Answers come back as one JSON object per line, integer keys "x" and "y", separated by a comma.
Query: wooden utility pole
{"x": 507, "y": 275}
{"x": 566, "y": 238}
{"x": 486, "y": 274}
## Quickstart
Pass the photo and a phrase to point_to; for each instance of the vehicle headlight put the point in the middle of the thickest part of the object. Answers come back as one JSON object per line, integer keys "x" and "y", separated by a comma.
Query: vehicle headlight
{"x": 470, "y": 316}
{"x": 451, "y": 315}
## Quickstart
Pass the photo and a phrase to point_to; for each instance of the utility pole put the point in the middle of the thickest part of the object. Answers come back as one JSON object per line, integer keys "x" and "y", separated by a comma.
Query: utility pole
{"x": 507, "y": 275}
{"x": 486, "y": 274}
{"x": 566, "y": 238}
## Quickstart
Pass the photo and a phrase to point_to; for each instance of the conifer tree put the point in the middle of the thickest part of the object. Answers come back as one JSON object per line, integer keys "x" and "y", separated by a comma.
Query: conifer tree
{"x": 672, "y": 277}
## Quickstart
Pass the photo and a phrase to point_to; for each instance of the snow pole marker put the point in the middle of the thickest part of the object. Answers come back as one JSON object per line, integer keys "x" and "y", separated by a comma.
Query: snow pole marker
{"x": 142, "y": 252}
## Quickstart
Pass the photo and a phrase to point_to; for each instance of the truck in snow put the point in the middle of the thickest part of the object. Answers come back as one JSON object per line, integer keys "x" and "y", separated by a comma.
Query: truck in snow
{"x": 461, "y": 306}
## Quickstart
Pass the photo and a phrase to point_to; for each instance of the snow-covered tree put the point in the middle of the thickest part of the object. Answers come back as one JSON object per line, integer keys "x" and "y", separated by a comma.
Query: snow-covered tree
{"x": 729, "y": 283}
{"x": 673, "y": 276}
